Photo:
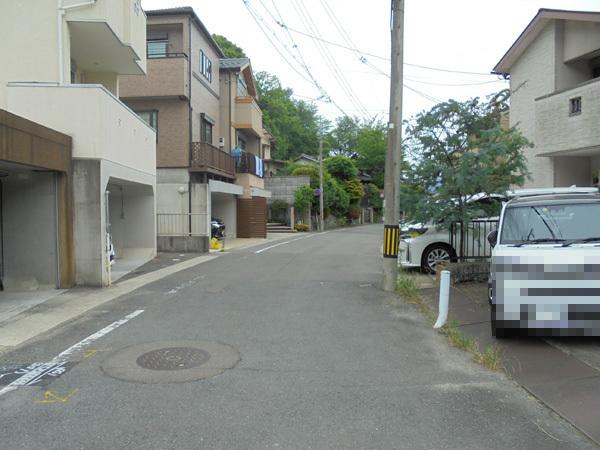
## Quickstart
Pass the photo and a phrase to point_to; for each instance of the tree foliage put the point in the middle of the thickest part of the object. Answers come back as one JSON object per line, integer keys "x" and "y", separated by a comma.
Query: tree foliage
{"x": 371, "y": 147}
{"x": 341, "y": 167}
{"x": 230, "y": 50}
{"x": 293, "y": 123}
{"x": 343, "y": 138}
{"x": 303, "y": 198}
{"x": 455, "y": 151}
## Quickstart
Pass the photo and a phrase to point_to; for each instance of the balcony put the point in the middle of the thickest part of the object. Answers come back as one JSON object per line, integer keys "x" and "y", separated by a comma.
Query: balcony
{"x": 210, "y": 159}
{"x": 248, "y": 116}
{"x": 108, "y": 35}
{"x": 101, "y": 126}
{"x": 560, "y": 132}
{"x": 167, "y": 76}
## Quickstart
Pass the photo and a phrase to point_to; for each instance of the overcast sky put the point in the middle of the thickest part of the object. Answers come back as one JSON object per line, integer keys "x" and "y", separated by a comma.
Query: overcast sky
{"x": 459, "y": 35}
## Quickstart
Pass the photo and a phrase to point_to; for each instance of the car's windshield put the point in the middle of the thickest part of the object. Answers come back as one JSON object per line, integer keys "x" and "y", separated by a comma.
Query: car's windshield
{"x": 549, "y": 223}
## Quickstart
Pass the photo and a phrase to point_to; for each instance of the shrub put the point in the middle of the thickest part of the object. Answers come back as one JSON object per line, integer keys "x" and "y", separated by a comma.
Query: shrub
{"x": 354, "y": 212}
{"x": 301, "y": 227}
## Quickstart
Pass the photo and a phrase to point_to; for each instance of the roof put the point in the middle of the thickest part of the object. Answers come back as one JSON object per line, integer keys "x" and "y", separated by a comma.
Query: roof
{"x": 187, "y": 11}
{"x": 234, "y": 63}
{"x": 308, "y": 157}
{"x": 532, "y": 31}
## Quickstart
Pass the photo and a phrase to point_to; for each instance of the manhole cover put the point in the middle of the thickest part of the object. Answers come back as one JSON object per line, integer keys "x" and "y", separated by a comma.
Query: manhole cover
{"x": 171, "y": 362}
{"x": 173, "y": 358}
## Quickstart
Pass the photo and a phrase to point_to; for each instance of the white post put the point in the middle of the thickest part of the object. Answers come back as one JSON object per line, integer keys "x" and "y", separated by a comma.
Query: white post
{"x": 444, "y": 298}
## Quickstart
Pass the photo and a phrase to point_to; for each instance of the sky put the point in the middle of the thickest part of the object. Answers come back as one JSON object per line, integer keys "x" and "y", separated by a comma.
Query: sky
{"x": 462, "y": 39}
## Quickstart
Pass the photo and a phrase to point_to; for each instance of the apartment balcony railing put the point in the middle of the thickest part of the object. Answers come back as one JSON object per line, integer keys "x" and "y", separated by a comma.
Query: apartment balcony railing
{"x": 248, "y": 163}
{"x": 167, "y": 76}
{"x": 210, "y": 159}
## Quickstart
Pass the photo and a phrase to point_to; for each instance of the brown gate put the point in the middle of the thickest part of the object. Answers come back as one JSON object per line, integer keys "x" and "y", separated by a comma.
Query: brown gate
{"x": 252, "y": 217}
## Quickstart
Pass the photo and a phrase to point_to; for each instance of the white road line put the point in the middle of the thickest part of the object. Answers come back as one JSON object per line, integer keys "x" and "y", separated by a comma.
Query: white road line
{"x": 33, "y": 375}
{"x": 283, "y": 243}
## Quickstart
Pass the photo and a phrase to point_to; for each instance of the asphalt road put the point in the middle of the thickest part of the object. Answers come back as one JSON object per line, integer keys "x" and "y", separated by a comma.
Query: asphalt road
{"x": 326, "y": 362}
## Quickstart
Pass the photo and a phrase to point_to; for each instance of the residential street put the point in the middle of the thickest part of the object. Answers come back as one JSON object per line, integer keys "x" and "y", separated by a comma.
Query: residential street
{"x": 326, "y": 360}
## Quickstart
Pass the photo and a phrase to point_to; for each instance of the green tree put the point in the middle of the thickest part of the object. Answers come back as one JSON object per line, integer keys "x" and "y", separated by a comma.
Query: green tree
{"x": 303, "y": 198}
{"x": 455, "y": 151}
{"x": 230, "y": 50}
{"x": 371, "y": 147}
{"x": 293, "y": 123}
{"x": 341, "y": 167}
{"x": 343, "y": 138}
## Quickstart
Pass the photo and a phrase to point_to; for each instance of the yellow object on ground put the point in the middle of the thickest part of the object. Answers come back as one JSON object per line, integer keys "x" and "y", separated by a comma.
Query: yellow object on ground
{"x": 215, "y": 244}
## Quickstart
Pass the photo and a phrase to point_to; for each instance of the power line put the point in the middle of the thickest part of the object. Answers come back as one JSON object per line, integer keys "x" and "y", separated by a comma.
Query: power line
{"x": 336, "y": 44}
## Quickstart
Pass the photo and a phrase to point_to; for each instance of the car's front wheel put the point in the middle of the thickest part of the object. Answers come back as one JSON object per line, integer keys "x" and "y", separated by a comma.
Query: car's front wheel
{"x": 435, "y": 254}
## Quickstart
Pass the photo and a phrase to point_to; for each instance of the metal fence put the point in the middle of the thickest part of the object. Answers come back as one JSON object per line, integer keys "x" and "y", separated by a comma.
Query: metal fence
{"x": 177, "y": 224}
{"x": 470, "y": 240}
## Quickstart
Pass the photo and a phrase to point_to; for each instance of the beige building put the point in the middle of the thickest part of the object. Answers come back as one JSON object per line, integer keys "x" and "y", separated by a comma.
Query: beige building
{"x": 554, "y": 70}
{"x": 184, "y": 96}
{"x": 62, "y": 71}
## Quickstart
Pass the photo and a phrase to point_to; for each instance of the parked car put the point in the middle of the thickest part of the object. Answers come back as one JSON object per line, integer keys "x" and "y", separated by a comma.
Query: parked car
{"x": 545, "y": 265}
{"x": 424, "y": 245}
{"x": 217, "y": 228}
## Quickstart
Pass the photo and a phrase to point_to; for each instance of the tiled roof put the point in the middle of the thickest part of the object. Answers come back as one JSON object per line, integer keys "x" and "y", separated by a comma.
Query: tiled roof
{"x": 234, "y": 63}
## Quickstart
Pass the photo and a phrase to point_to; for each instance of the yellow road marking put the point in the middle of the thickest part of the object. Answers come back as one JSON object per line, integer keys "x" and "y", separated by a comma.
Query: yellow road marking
{"x": 52, "y": 397}
{"x": 92, "y": 352}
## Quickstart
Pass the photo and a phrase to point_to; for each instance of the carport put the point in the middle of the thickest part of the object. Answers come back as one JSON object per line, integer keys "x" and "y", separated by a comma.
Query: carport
{"x": 36, "y": 231}
{"x": 223, "y": 204}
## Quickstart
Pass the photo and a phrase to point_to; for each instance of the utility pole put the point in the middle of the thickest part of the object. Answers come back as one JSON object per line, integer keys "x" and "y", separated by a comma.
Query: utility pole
{"x": 391, "y": 234}
{"x": 322, "y": 221}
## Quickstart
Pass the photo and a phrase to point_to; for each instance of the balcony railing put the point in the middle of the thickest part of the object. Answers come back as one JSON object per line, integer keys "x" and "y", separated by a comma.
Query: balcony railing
{"x": 210, "y": 159}
{"x": 248, "y": 163}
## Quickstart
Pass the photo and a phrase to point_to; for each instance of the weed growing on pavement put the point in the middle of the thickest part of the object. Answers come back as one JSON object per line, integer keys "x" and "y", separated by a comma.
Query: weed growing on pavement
{"x": 490, "y": 357}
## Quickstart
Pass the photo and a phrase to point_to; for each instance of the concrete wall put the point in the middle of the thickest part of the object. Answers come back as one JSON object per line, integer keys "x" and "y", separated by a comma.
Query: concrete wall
{"x": 172, "y": 191}
{"x": 558, "y": 131}
{"x": 572, "y": 171}
{"x": 88, "y": 225}
{"x": 29, "y": 230}
{"x": 581, "y": 39}
{"x": 532, "y": 76}
{"x": 101, "y": 126}
{"x": 283, "y": 188}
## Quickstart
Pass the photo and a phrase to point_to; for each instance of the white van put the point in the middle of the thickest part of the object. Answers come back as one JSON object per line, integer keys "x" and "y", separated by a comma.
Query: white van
{"x": 545, "y": 265}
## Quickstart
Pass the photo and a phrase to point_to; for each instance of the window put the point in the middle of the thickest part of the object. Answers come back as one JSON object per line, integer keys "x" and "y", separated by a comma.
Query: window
{"x": 206, "y": 129}
{"x": 575, "y": 106}
{"x": 151, "y": 118}
{"x": 241, "y": 143}
{"x": 205, "y": 66}
{"x": 242, "y": 88}
{"x": 157, "y": 44}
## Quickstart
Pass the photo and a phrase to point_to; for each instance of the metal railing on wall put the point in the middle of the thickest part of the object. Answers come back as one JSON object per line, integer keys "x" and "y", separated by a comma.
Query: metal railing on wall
{"x": 178, "y": 224}
{"x": 470, "y": 239}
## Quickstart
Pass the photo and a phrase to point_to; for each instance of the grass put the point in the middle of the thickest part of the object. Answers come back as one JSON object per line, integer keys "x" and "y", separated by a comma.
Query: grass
{"x": 490, "y": 357}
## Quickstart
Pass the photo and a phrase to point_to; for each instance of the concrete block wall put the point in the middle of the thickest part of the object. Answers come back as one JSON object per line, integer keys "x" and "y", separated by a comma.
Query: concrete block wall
{"x": 284, "y": 188}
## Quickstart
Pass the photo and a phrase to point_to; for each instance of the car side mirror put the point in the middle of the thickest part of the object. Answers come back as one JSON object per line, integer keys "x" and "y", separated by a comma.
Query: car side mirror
{"x": 492, "y": 237}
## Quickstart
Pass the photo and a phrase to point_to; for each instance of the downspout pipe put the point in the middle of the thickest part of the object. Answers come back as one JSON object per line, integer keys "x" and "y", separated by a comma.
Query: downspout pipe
{"x": 190, "y": 123}
{"x": 60, "y": 13}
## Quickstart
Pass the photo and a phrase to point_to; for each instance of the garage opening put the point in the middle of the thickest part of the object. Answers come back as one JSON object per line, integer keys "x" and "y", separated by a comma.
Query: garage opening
{"x": 130, "y": 225}
{"x": 28, "y": 231}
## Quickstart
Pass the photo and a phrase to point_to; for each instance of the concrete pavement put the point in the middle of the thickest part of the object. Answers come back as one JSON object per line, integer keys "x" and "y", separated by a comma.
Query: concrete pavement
{"x": 325, "y": 362}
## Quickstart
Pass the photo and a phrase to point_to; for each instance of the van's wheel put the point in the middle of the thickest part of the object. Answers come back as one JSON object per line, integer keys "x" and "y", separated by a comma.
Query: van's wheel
{"x": 436, "y": 253}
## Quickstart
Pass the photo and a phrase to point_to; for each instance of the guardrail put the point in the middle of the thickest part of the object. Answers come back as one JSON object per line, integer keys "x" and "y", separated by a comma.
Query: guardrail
{"x": 178, "y": 224}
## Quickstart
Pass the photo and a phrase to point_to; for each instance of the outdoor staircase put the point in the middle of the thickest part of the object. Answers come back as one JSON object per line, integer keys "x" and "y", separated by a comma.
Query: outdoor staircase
{"x": 279, "y": 228}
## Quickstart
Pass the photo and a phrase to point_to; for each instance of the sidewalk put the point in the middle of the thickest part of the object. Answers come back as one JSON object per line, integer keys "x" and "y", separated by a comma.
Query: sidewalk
{"x": 23, "y": 316}
{"x": 558, "y": 377}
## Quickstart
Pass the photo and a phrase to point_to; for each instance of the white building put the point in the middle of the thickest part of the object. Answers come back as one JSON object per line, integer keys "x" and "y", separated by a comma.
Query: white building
{"x": 554, "y": 69}
{"x": 60, "y": 68}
